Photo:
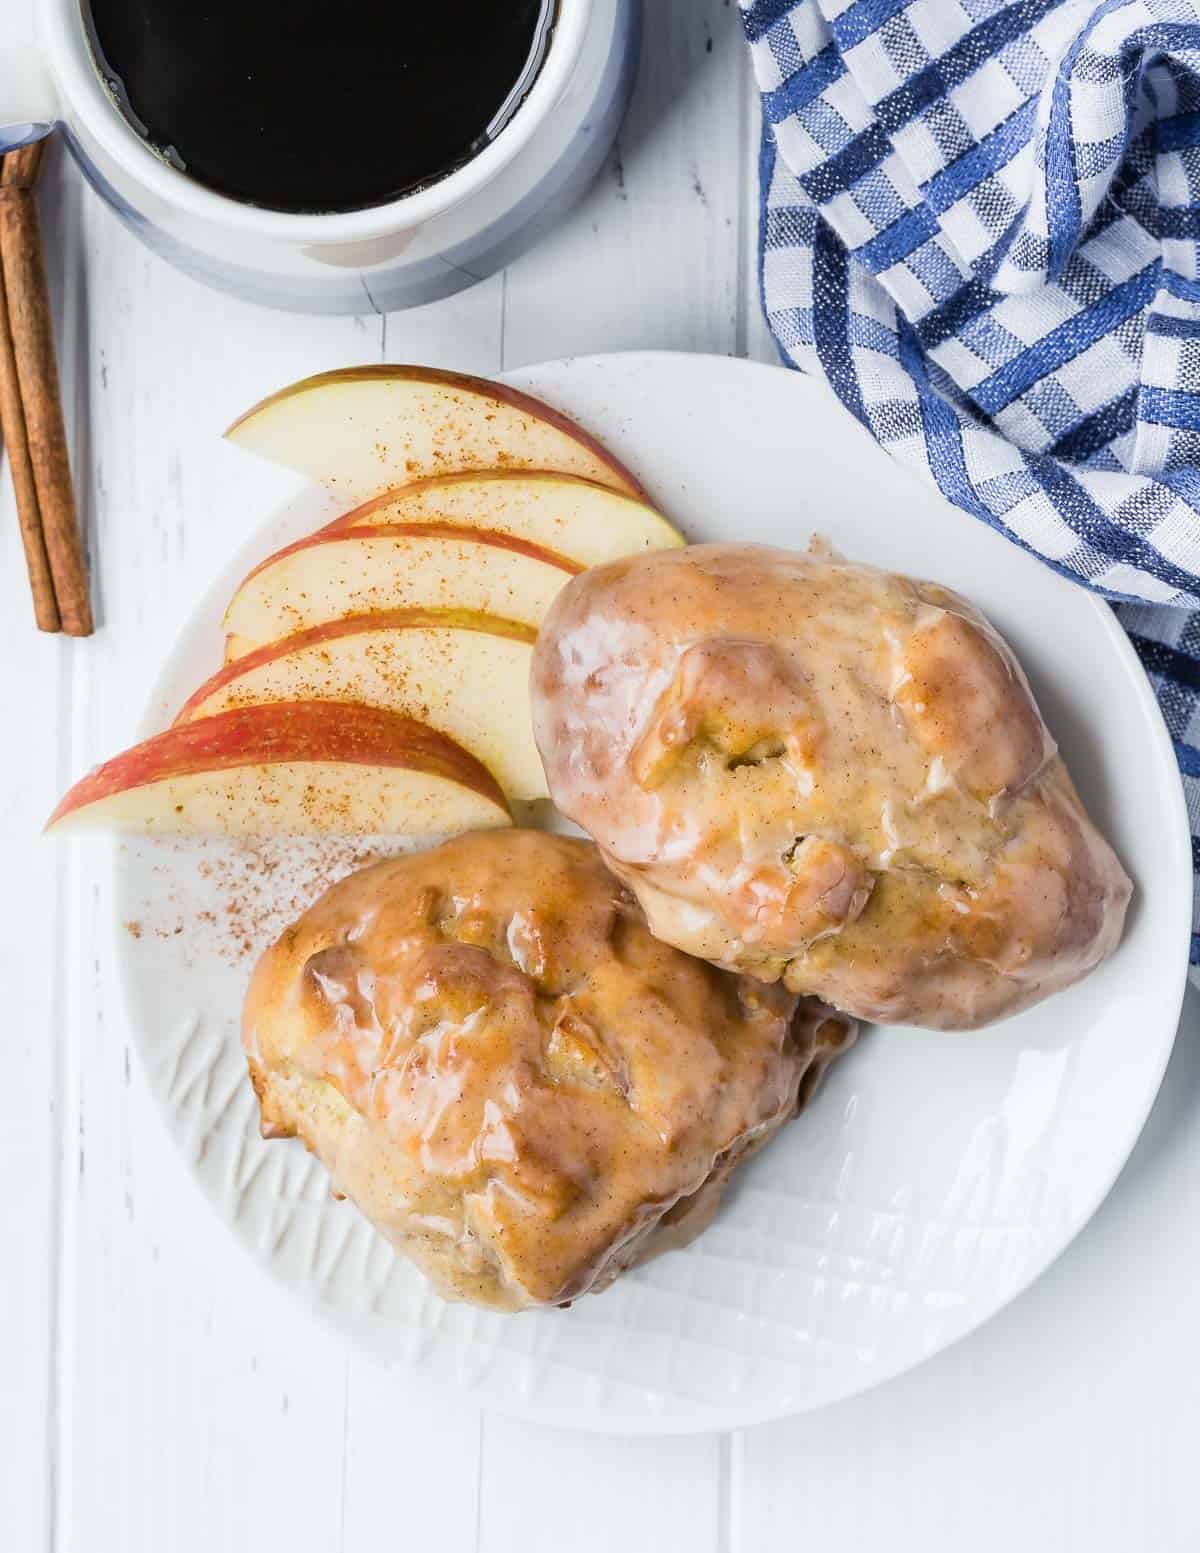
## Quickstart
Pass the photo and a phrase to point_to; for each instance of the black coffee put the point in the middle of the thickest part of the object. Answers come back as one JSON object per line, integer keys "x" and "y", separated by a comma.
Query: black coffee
{"x": 302, "y": 105}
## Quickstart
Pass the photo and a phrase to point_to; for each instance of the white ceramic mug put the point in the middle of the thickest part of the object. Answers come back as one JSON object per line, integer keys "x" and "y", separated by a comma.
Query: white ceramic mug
{"x": 408, "y": 251}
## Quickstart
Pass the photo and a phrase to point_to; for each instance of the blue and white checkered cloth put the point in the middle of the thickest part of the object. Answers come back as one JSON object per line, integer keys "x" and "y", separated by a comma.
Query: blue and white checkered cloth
{"x": 981, "y": 223}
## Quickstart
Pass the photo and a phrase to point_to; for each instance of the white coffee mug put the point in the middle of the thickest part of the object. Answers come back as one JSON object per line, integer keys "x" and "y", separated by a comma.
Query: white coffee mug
{"x": 408, "y": 251}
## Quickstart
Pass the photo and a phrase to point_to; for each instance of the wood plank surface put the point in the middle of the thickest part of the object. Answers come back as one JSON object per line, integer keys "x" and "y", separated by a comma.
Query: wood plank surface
{"x": 169, "y": 1397}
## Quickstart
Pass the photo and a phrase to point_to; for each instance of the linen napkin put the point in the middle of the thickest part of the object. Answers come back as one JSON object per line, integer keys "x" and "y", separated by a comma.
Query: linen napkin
{"x": 980, "y": 223}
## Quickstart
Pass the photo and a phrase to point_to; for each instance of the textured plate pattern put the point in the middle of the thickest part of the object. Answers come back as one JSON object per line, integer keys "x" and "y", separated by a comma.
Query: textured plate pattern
{"x": 934, "y": 1176}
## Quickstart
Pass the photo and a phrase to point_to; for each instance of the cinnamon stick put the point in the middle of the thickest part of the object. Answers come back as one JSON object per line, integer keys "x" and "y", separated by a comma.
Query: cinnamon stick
{"x": 29, "y": 513}
{"x": 29, "y": 323}
{"x": 19, "y": 169}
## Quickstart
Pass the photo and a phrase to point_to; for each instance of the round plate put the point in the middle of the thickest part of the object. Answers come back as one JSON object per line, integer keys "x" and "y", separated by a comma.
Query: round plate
{"x": 935, "y": 1175}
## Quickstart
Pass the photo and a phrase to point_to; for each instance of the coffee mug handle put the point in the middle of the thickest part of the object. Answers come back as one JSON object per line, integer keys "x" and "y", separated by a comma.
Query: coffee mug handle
{"x": 28, "y": 104}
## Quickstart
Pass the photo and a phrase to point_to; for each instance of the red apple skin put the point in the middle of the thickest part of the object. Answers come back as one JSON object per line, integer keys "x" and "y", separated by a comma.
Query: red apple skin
{"x": 526, "y": 403}
{"x": 377, "y": 620}
{"x": 280, "y": 731}
{"x": 357, "y": 516}
{"x": 481, "y": 536}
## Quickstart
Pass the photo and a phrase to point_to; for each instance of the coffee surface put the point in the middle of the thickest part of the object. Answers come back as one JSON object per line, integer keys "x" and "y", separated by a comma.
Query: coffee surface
{"x": 304, "y": 106}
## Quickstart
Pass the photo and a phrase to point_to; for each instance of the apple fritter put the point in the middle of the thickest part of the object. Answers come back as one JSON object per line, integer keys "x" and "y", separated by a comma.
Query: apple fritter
{"x": 820, "y": 772}
{"x": 521, "y": 1087}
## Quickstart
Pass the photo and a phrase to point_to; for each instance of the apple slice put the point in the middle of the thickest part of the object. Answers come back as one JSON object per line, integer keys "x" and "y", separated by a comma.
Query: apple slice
{"x": 586, "y": 522}
{"x": 357, "y": 571}
{"x": 363, "y": 429}
{"x": 466, "y": 676}
{"x": 289, "y": 768}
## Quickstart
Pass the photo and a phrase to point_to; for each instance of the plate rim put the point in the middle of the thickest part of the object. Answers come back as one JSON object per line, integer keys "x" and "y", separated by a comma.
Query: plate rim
{"x": 700, "y": 1418}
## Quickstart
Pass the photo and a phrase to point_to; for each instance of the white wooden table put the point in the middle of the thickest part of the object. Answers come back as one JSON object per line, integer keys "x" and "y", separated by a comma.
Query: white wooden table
{"x": 157, "y": 1393}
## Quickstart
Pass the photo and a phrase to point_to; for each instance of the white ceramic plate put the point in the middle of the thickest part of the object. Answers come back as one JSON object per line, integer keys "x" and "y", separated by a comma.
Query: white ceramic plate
{"x": 934, "y": 1177}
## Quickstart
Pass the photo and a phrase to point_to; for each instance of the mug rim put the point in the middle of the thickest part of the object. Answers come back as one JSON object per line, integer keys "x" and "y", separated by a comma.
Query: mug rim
{"x": 72, "y": 67}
